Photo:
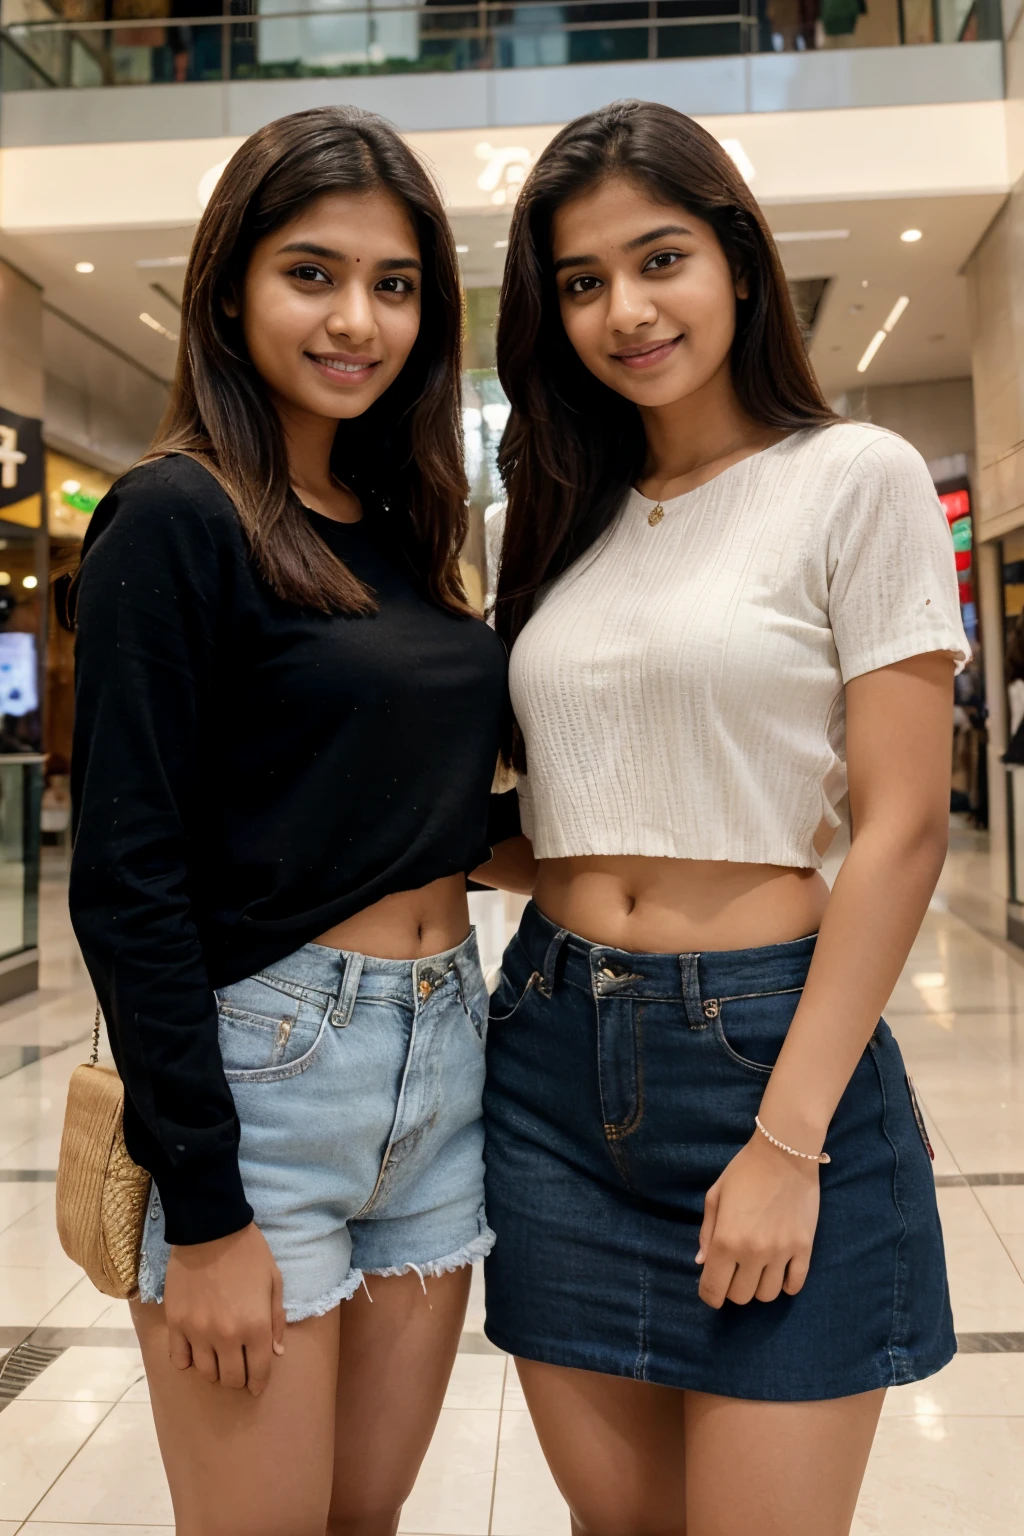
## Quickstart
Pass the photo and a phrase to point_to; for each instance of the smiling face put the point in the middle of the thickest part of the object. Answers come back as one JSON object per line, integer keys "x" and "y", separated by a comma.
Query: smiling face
{"x": 330, "y": 306}
{"x": 646, "y": 294}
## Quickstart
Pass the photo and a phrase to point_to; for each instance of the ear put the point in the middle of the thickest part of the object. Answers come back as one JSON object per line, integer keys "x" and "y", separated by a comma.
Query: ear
{"x": 230, "y": 305}
{"x": 742, "y": 288}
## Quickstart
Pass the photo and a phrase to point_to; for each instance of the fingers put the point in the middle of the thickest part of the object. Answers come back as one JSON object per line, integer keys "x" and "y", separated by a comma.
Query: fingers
{"x": 277, "y": 1317}
{"x": 746, "y": 1278}
{"x": 769, "y": 1286}
{"x": 179, "y": 1348}
{"x": 707, "y": 1226}
{"x": 734, "y": 1276}
{"x": 719, "y": 1268}
{"x": 231, "y": 1364}
{"x": 796, "y": 1273}
{"x": 205, "y": 1361}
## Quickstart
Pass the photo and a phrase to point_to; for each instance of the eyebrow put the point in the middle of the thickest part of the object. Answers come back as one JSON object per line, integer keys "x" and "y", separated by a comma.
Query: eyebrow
{"x": 631, "y": 245}
{"x": 389, "y": 264}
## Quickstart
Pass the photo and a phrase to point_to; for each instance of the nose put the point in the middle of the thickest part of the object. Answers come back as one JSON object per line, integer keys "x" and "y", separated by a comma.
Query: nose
{"x": 630, "y": 305}
{"x": 352, "y": 314}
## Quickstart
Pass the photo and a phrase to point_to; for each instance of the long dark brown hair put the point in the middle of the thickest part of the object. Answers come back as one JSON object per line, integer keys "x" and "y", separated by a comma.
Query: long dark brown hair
{"x": 402, "y": 457}
{"x": 573, "y": 446}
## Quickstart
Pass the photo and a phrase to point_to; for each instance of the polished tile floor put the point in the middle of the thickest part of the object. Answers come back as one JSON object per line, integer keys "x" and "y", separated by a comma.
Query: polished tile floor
{"x": 78, "y": 1455}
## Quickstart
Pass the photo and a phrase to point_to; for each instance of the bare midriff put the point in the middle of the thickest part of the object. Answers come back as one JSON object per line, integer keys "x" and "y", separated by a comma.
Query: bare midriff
{"x": 679, "y": 906}
{"x": 408, "y": 925}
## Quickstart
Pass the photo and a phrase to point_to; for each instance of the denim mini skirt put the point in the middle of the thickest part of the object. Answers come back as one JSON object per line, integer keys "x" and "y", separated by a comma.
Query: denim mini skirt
{"x": 619, "y": 1086}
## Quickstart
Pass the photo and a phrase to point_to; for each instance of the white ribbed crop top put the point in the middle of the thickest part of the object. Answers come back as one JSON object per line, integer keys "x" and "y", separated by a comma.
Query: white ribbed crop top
{"x": 680, "y": 687}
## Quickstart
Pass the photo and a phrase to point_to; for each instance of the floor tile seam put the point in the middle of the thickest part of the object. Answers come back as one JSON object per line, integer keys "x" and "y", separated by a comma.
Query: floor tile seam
{"x": 933, "y": 1120}
{"x": 1017, "y": 1266}
{"x": 70, "y": 1462}
{"x": 497, "y": 1450}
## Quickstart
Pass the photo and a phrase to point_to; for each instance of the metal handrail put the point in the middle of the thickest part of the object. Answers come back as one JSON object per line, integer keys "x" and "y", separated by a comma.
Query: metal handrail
{"x": 482, "y": 8}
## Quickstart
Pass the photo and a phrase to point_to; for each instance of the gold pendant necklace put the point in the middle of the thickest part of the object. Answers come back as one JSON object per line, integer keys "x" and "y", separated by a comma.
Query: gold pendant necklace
{"x": 655, "y": 515}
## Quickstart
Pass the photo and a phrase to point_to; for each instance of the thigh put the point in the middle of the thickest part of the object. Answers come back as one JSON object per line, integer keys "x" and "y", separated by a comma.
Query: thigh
{"x": 780, "y": 1469}
{"x": 239, "y": 1465}
{"x": 615, "y": 1447}
{"x": 396, "y": 1347}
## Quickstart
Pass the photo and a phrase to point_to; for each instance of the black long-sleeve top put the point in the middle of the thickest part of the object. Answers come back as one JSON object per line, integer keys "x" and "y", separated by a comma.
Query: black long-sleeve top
{"x": 245, "y": 775}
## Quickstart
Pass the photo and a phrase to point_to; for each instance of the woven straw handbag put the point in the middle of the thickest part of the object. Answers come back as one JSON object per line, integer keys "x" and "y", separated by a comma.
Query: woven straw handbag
{"x": 101, "y": 1194}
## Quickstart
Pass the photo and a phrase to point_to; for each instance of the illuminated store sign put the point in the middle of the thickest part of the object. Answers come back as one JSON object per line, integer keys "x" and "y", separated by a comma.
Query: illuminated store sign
{"x": 21, "y": 469}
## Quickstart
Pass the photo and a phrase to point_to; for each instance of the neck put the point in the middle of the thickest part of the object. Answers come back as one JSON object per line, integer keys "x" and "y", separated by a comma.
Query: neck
{"x": 308, "y": 443}
{"x": 700, "y": 428}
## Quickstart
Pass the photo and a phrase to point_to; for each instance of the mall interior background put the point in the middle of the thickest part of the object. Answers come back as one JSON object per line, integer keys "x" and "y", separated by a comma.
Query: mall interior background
{"x": 885, "y": 141}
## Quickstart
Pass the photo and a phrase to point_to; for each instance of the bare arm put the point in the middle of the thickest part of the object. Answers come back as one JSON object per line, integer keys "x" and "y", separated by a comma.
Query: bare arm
{"x": 761, "y": 1214}
{"x": 512, "y": 867}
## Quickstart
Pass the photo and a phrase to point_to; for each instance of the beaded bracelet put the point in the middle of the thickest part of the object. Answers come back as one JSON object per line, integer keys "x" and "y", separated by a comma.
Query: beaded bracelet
{"x": 810, "y": 1157}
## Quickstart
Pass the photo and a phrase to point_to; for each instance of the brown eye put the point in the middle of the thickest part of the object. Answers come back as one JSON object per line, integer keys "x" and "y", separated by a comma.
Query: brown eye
{"x": 309, "y": 274}
{"x": 662, "y": 260}
{"x": 584, "y": 284}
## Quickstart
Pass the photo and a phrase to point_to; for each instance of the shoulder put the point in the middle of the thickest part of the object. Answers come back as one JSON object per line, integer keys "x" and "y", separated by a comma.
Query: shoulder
{"x": 162, "y": 509}
{"x": 858, "y": 454}
{"x": 174, "y": 494}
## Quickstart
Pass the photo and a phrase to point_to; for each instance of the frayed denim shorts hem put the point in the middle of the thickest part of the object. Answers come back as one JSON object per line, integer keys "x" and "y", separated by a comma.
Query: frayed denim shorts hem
{"x": 358, "y": 1085}
{"x": 151, "y": 1286}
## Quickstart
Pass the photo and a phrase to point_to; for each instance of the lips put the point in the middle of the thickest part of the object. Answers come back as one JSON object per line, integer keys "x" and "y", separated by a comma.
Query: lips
{"x": 343, "y": 364}
{"x": 649, "y": 356}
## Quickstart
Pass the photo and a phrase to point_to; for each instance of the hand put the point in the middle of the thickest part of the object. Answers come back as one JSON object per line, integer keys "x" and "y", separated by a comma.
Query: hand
{"x": 758, "y": 1227}
{"x": 224, "y": 1303}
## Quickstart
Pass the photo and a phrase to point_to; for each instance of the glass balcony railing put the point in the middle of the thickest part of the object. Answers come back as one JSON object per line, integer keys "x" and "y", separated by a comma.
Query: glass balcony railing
{"x": 76, "y": 42}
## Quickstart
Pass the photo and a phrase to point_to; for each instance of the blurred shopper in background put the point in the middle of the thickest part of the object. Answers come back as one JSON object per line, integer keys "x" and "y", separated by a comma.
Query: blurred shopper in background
{"x": 287, "y": 725}
{"x": 717, "y": 1235}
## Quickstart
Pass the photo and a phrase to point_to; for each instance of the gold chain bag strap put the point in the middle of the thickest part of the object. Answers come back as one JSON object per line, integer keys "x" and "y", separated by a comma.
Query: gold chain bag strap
{"x": 101, "y": 1194}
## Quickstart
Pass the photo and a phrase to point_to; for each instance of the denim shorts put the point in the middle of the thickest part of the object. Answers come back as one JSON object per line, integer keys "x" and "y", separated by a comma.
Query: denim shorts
{"x": 619, "y": 1086}
{"x": 357, "y": 1084}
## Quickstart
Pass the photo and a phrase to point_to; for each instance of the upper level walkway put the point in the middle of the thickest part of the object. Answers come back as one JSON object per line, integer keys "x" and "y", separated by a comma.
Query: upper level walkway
{"x": 188, "y": 76}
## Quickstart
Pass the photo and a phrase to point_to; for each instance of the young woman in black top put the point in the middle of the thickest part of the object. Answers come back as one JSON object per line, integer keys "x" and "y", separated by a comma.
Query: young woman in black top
{"x": 287, "y": 725}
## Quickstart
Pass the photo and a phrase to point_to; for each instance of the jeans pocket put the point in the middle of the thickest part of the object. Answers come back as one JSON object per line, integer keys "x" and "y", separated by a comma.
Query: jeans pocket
{"x": 752, "y": 1029}
{"x": 266, "y": 1035}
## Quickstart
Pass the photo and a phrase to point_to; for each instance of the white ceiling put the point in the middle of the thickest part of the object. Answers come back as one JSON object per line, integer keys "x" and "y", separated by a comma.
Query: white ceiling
{"x": 931, "y": 340}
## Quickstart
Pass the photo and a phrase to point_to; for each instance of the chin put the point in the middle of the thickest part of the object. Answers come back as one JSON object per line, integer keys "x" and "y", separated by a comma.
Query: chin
{"x": 653, "y": 392}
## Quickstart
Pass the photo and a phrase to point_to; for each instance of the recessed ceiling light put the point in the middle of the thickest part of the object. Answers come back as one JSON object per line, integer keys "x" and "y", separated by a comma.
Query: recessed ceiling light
{"x": 5, "y": 578}
{"x": 869, "y": 353}
{"x": 863, "y": 282}
{"x": 84, "y": 266}
{"x": 910, "y": 236}
{"x": 30, "y": 582}
{"x": 501, "y": 245}
{"x": 793, "y": 236}
{"x": 155, "y": 325}
{"x": 71, "y": 486}
{"x": 463, "y": 250}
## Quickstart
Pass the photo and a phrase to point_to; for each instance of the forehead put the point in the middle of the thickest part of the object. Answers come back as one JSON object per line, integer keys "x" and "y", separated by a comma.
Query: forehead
{"x": 354, "y": 218}
{"x": 613, "y": 212}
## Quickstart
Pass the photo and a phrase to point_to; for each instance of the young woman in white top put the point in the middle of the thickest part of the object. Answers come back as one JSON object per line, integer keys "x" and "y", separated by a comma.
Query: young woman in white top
{"x": 717, "y": 1237}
